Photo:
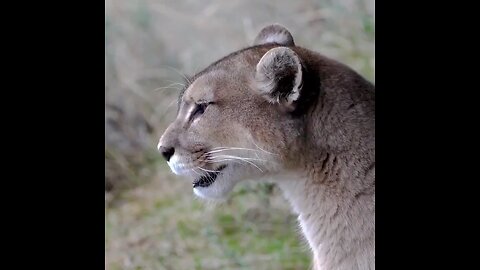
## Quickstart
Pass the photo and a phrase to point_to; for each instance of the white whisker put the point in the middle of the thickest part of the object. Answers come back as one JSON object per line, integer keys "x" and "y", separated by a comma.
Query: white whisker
{"x": 219, "y": 149}
{"x": 175, "y": 82}
{"x": 263, "y": 149}
{"x": 206, "y": 170}
{"x": 229, "y": 149}
{"x": 180, "y": 73}
{"x": 196, "y": 172}
{"x": 237, "y": 161}
{"x": 170, "y": 86}
{"x": 247, "y": 160}
{"x": 236, "y": 157}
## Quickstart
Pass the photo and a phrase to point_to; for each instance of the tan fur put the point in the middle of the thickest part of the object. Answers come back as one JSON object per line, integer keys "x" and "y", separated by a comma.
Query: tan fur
{"x": 297, "y": 118}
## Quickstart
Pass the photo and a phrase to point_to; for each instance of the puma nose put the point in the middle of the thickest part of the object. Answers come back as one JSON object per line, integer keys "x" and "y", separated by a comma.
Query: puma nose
{"x": 167, "y": 152}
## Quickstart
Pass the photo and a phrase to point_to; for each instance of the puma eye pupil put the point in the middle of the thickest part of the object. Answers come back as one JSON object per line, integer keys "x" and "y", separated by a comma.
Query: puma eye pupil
{"x": 199, "y": 109}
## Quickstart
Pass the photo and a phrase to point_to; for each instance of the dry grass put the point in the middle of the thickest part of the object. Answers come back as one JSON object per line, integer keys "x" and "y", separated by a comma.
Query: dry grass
{"x": 161, "y": 226}
{"x": 152, "y": 219}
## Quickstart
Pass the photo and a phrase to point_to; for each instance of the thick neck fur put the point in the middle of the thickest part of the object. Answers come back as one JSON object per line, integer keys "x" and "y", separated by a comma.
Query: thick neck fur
{"x": 333, "y": 187}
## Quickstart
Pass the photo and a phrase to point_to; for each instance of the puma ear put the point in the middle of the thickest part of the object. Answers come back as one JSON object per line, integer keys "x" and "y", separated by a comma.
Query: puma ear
{"x": 274, "y": 33}
{"x": 279, "y": 77}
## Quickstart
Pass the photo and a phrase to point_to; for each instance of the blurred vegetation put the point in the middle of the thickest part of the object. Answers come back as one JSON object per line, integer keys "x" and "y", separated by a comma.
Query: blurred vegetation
{"x": 152, "y": 219}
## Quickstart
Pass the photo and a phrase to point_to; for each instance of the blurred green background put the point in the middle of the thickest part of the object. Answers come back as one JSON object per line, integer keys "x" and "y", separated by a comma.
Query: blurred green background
{"x": 152, "y": 218}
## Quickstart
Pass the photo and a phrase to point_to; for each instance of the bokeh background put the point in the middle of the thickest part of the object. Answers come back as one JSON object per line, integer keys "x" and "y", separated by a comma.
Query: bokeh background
{"x": 152, "y": 218}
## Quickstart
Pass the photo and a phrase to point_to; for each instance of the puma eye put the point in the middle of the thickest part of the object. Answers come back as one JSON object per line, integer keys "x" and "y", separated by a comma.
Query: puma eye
{"x": 199, "y": 109}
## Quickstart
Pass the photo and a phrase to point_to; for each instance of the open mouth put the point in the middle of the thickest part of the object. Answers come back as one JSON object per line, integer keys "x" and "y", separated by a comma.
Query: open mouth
{"x": 209, "y": 178}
